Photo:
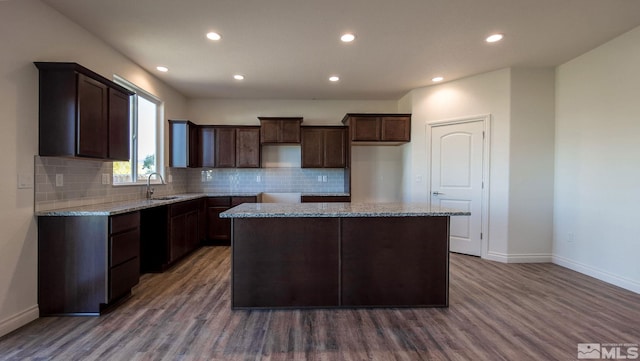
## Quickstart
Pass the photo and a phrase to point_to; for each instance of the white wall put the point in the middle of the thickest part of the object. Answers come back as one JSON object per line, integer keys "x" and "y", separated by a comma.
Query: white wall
{"x": 376, "y": 171}
{"x": 31, "y": 31}
{"x": 487, "y": 93}
{"x": 597, "y": 181}
{"x": 521, "y": 105}
{"x": 315, "y": 112}
{"x": 531, "y": 162}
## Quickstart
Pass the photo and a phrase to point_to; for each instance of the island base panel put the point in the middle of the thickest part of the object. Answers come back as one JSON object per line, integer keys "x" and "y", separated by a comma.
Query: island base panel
{"x": 395, "y": 261}
{"x": 285, "y": 262}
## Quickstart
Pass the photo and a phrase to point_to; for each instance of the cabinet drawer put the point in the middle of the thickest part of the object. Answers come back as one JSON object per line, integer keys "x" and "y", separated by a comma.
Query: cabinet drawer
{"x": 239, "y": 200}
{"x": 123, "y": 222}
{"x": 124, "y": 246}
{"x": 123, "y": 277}
{"x": 184, "y": 207}
{"x": 218, "y": 201}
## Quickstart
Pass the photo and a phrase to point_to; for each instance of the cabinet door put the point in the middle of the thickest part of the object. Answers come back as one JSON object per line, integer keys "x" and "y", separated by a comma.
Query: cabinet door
{"x": 184, "y": 144}
{"x": 118, "y": 125}
{"x": 289, "y": 131}
{"x": 177, "y": 236}
{"x": 225, "y": 148}
{"x": 365, "y": 128}
{"x": 195, "y": 154}
{"x": 396, "y": 129}
{"x": 218, "y": 229}
{"x": 207, "y": 146}
{"x": 178, "y": 147}
{"x": 335, "y": 148}
{"x": 192, "y": 239}
{"x": 312, "y": 148}
{"x": 248, "y": 147}
{"x": 92, "y": 122}
{"x": 269, "y": 130}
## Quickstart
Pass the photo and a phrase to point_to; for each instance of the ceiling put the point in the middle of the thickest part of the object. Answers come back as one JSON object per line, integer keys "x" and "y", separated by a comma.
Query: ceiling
{"x": 287, "y": 49}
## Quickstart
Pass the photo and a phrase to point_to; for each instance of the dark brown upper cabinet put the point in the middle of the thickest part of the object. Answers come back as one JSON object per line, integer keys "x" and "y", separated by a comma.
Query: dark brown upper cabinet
{"x": 324, "y": 147}
{"x": 184, "y": 144}
{"x": 279, "y": 130}
{"x": 248, "y": 147}
{"x": 378, "y": 129}
{"x": 81, "y": 113}
{"x": 207, "y": 137}
{"x": 225, "y": 148}
{"x": 230, "y": 147}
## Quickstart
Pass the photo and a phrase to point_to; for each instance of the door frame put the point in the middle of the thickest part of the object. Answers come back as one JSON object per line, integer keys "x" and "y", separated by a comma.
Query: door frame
{"x": 486, "y": 157}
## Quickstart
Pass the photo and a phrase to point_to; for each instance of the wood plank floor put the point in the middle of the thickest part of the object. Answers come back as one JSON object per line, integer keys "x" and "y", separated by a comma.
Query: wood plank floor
{"x": 497, "y": 312}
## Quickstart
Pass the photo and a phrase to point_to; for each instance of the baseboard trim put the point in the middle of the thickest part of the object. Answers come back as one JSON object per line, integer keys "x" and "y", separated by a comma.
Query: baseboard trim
{"x": 18, "y": 320}
{"x": 628, "y": 284}
{"x": 520, "y": 258}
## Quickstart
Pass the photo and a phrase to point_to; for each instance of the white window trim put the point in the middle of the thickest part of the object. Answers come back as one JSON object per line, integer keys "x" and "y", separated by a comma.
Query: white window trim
{"x": 134, "y": 131}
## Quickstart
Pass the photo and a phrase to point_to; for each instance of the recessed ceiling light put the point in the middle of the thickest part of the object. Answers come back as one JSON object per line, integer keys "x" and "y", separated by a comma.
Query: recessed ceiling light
{"x": 238, "y": 77}
{"x": 437, "y": 79}
{"x": 163, "y": 69}
{"x": 348, "y": 37}
{"x": 214, "y": 36}
{"x": 494, "y": 37}
{"x": 334, "y": 78}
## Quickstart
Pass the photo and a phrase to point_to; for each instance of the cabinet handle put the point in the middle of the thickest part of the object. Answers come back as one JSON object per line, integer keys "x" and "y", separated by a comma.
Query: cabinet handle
{"x": 436, "y": 193}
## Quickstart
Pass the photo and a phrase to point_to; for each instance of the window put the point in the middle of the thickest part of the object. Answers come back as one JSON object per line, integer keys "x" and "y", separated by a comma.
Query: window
{"x": 146, "y": 138}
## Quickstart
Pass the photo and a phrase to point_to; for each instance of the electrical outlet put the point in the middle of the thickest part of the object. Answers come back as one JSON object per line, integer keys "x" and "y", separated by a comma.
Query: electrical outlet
{"x": 170, "y": 178}
{"x": 571, "y": 237}
{"x": 106, "y": 178}
{"x": 319, "y": 178}
{"x": 59, "y": 180}
{"x": 419, "y": 179}
{"x": 258, "y": 179}
{"x": 324, "y": 179}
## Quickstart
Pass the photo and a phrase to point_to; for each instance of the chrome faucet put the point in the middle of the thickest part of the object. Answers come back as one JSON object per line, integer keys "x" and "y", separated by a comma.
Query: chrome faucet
{"x": 149, "y": 189}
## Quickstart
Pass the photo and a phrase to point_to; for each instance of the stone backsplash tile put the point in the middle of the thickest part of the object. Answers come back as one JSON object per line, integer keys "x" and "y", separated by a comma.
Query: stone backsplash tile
{"x": 82, "y": 183}
{"x": 293, "y": 180}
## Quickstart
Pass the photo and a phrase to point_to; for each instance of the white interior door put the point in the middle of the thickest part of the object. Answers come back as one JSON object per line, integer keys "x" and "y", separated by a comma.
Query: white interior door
{"x": 456, "y": 180}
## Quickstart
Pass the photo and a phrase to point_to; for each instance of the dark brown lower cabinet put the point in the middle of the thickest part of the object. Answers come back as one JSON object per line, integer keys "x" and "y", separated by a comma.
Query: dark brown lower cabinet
{"x": 86, "y": 263}
{"x": 340, "y": 262}
{"x": 170, "y": 232}
{"x": 324, "y": 199}
{"x": 219, "y": 229}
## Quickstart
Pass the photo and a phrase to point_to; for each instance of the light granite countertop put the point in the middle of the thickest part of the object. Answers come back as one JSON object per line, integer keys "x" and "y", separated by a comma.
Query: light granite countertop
{"x": 113, "y": 208}
{"x": 295, "y": 210}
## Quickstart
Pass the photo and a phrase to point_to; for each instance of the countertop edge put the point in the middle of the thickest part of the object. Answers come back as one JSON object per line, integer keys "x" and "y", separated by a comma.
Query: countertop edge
{"x": 343, "y": 215}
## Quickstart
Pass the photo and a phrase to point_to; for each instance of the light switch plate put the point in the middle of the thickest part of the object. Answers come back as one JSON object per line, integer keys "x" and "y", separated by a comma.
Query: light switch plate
{"x": 59, "y": 180}
{"x": 106, "y": 178}
{"x": 25, "y": 181}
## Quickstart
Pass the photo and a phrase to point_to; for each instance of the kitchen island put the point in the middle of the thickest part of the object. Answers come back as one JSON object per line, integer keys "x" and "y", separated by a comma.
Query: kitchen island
{"x": 320, "y": 255}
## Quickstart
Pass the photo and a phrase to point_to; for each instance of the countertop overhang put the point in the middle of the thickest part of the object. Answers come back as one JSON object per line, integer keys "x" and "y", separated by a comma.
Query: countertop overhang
{"x": 337, "y": 210}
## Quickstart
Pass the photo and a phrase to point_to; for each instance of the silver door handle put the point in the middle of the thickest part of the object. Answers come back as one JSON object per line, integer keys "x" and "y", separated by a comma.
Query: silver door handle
{"x": 437, "y": 193}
